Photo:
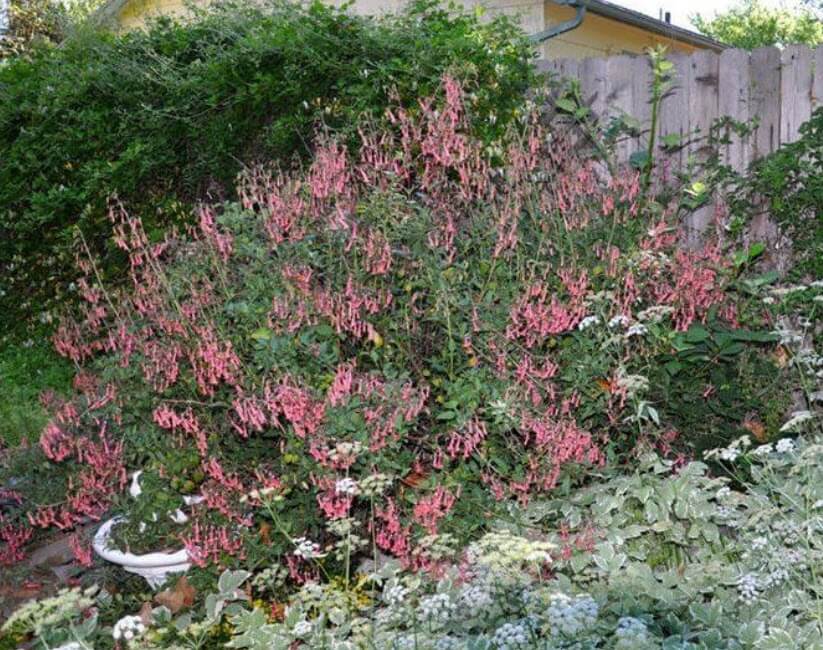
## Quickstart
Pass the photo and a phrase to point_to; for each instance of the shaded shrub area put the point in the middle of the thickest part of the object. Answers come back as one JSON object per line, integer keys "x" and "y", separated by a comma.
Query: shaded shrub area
{"x": 167, "y": 116}
{"x": 789, "y": 184}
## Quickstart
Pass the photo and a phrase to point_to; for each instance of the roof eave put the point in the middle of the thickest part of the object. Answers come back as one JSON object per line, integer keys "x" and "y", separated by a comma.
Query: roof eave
{"x": 637, "y": 19}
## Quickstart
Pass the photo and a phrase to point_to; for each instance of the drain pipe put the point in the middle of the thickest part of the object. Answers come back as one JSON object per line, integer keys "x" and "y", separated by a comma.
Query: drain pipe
{"x": 563, "y": 27}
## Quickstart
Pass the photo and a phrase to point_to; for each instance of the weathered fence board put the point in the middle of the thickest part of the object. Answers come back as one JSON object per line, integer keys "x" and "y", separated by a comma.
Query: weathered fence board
{"x": 779, "y": 89}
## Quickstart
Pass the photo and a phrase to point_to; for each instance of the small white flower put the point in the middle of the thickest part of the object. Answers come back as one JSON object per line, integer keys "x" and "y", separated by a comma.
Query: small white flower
{"x": 722, "y": 493}
{"x": 763, "y": 450}
{"x": 619, "y": 321}
{"x": 784, "y": 446}
{"x": 730, "y": 454}
{"x": 307, "y": 549}
{"x": 748, "y": 588}
{"x": 301, "y": 628}
{"x": 128, "y": 628}
{"x": 638, "y": 329}
{"x": 395, "y": 595}
{"x": 436, "y": 608}
{"x": 587, "y": 322}
{"x": 631, "y": 632}
{"x": 347, "y": 486}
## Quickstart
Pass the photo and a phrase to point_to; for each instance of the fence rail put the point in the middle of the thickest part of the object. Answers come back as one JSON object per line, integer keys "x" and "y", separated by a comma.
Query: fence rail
{"x": 779, "y": 87}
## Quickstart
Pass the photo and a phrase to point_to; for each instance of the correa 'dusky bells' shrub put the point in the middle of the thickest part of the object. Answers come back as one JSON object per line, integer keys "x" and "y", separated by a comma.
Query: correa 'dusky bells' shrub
{"x": 166, "y": 116}
{"x": 384, "y": 348}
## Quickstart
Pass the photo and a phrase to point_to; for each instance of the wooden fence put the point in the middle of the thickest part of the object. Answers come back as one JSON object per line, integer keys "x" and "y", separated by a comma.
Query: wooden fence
{"x": 779, "y": 87}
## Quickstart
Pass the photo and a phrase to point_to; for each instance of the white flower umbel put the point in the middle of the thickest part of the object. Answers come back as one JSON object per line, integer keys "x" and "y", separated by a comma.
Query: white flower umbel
{"x": 587, "y": 322}
{"x": 307, "y": 549}
{"x": 570, "y": 616}
{"x": 620, "y": 320}
{"x": 638, "y": 329}
{"x": 784, "y": 446}
{"x": 631, "y": 632}
{"x": 347, "y": 486}
{"x": 128, "y": 628}
{"x": 437, "y": 608}
{"x": 748, "y": 588}
{"x": 302, "y": 628}
{"x": 511, "y": 636}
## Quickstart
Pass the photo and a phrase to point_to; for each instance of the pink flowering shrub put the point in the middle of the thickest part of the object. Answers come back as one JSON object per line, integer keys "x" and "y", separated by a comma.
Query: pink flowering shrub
{"x": 409, "y": 314}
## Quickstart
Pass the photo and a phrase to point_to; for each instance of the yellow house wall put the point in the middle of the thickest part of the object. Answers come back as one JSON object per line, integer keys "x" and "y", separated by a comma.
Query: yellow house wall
{"x": 600, "y": 36}
{"x": 136, "y": 12}
{"x": 596, "y": 36}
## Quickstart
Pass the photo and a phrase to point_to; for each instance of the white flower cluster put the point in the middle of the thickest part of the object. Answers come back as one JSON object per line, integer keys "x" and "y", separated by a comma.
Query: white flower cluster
{"x": 476, "y": 596}
{"x": 655, "y": 313}
{"x": 302, "y": 628}
{"x": 587, "y": 322}
{"x": 374, "y": 485}
{"x": 396, "y": 594}
{"x": 504, "y": 550}
{"x": 569, "y": 616}
{"x": 618, "y": 321}
{"x": 638, "y": 329}
{"x": 128, "y": 628}
{"x": 307, "y": 549}
{"x": 437, "y": 608}
{"x": 511, "y": 636}
{"x": 732, "y": 452}
{"x": 748, "y": 588}
{"x": 347, "y": 486}
{"x": 631, "y": 632}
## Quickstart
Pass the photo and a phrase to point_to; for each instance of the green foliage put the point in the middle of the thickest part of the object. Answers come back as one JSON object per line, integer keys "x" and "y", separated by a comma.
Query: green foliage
{"x": 753, "y": 24}
{"x": 27, "y": 369}
{"x": 791, "y": 181}
{"x": 36, "y": 23}
{"x": 168, "y": 116}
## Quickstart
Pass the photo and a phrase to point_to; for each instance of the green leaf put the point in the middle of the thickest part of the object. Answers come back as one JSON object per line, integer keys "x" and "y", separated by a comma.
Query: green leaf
{"x": 230, "y": 581}
{"x": 696, "y": 334}
{"x": 262, "y": 334}
{"x": 566, "y": 105}
{"x": 671, "y": 140}
{"x": 640, "y": 159}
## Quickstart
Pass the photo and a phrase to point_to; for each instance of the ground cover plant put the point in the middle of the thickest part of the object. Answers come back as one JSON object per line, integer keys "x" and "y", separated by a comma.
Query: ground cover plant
{"x": 424, "y": 371}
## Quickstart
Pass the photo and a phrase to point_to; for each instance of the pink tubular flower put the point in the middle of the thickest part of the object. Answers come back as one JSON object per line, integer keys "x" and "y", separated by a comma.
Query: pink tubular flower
{"x": 341, "y": 386}
{"x": 167, "y": 418}
{"x": 14, "y": 537}
{"x": 390, "y": 534}
{"x": 221, "y": 242}
{"x": 82, "y": 551}
{"x": 463, "y": 442}
{"x": 334, "y": 505}
{"x": 208, "y": 544}
{"x": 296, "y": 406}
{"x": 431, "y": 509}
{"x": 214, "y": 361}
{"x": 249, "y": 412}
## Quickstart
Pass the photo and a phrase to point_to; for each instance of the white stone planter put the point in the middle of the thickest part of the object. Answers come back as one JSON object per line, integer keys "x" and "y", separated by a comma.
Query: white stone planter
{"x": 154, "y": 567}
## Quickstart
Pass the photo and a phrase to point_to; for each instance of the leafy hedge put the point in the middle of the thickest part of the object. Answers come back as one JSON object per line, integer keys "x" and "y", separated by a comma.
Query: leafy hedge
{"x": 791, "y": 179}
{"x": 164, "y": 117}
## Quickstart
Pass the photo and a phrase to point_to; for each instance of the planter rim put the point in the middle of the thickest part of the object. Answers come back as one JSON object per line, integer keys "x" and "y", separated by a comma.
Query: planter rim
{"x": 101, "y": 545}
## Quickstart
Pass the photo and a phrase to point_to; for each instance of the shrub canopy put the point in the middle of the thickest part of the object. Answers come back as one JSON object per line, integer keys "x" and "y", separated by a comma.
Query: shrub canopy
{"x": 166, "y": 116}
